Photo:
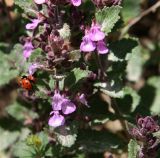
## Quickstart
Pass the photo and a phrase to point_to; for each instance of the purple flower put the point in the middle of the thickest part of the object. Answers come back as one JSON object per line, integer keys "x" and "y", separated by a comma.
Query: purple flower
{"x": 39, "y": 1}
{"x": 101, "y": 47}
{"x": 68, "y": 107}
{"x": 147, "y": 124}
{"x": 87, "y": 44}
{"x": 60, "y": 103}
{"x": 57, "y": 101}
{"x": 33, "y": 24}
{"x": 95, "y": 33}
{"x": 83, "y": 100}
{"x": 27, "y": 49}
{"x": 33, "y": 68}
{"x": 76, "y": 2}
{"x": 56, "y": 120}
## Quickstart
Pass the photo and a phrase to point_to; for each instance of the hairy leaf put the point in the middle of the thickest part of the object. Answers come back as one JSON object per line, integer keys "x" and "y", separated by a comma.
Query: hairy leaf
{"x": 107, "y": 18}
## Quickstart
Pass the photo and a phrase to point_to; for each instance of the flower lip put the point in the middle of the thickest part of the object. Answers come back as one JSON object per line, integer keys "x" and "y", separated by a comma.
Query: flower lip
{"x": 68, "y": 107}
{"x": 95, "y": 33}
{"x": 101, "y": 47}
{"x": 87, "y": 44}
{"x": 57, "y": 101}
{"x": 56, "y": 120}
{"x": 27, "y": 49}
{"x": 33, "y": 24}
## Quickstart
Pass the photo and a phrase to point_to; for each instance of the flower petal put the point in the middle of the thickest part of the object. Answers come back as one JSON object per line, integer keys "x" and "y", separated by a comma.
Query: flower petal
{"x": 33, "y": 68}
{"x": 68, "y": 107}
{"x": 83, "y": 100}
{"x": 27, "y": 49}
{"x": 39, "y": 1}
{"x": 87, "y": 45}
{"x": 76, "y": 2}
{"x": 95, "y": 33}
{"x": 57, "y": 101}
{"x": 56, "y": 120}
{"x": 33, "y": 24}
{"x": 101, "y": 47}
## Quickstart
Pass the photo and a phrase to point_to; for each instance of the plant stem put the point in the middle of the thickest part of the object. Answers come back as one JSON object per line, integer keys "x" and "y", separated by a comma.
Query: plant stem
{"x": 119, "y": 114}
{"x": 100, "y": 65}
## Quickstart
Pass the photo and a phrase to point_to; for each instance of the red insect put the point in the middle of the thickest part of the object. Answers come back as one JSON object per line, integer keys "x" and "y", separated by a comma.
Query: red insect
{"x": 26, "y": 82}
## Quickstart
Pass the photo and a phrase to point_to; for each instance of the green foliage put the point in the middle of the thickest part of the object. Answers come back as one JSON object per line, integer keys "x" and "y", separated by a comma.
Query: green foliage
{"x": 134, "y": 66}
{"x": 7, "y": 138}
{"x": 36, "y": 55}
{"x": 120, "y": 50}
{"x": 19, "y": 112}
{"x": 132, "y": 149}
{"x": 108, "y": 17}
{"x": 129, "y": 102}
{"x": 28, "y": 6}
{"x": 130, "y": 9}
{"x": 155, "y": 83}
{"x": 74, "y": 77}
{"x": 33, "y": 146}
{"x": 97, "y": 141}
{"x": 66, "y": 135}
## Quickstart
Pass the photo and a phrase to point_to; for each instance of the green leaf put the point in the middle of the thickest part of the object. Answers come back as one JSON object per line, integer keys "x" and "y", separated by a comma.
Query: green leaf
{"x": 157, "y": 135}
{"x": 130, "y": 9}
{"x": 22, "y": 150}
{"x": 9, "y": 73}
{"x": 130, "y": 101}
{"x": 19, "y": 112}
{"x": 132, "y": 149}
{"x": 75, "y": 55}
{"x": 113, "y": 87}
{"x": 120, "y": 50}
{"x": 75, "y": 76}
{"x": 37, "y": 53}
{"x": 66, "y": 136}
{"x": 7, "y": 138}
{"x": 65, "y": 31}
{"x": 135, "y": 63}
{"x": 27, "y": 5}
{"x": 155, "y": 83}
{"x": 107, "y": 18}
{"x": 97, "y": 141}
{"x": 17, "y": 58}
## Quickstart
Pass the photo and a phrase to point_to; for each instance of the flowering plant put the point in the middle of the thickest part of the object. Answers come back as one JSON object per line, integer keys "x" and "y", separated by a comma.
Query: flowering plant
{"x": 79, "y": 70}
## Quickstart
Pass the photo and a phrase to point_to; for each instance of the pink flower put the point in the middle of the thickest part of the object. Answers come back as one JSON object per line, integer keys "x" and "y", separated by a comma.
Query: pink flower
{"x": 39, "y": 1}
{"x": 61, "y": 103}
{"x": 95, "y": 33}
{"x": 57, "y": 101}
{"x": 33, "y": 24}
{"x": 68, "y": 107}
{"x": 27, "y": 49}
{"x": 101, "y": 47}
{"x": 87, "y": 44}
{"x": 76, "y": 2}
{"x": 33, "y": 68}
{"x": 56, "y": 120}
{"x": 83, "y": 100}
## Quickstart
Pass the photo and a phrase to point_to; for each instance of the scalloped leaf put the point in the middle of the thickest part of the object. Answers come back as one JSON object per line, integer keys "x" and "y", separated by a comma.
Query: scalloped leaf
{"x": 120, "y": 50}
{"x": 132, "y": 149}
{"x": 108, "y": 17}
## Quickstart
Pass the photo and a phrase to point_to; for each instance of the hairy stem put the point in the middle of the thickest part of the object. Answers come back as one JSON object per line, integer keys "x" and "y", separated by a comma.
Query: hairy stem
{"x": 119, "y": 114}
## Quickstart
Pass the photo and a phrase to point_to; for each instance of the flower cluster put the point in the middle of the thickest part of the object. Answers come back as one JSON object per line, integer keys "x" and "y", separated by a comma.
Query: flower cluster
{"x": 146, "y": 126}
{"x": 94, "y": 38}
{"x": 60, "y": 104}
